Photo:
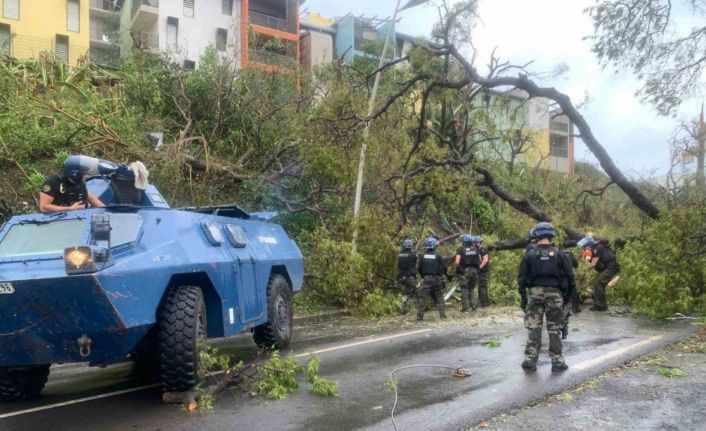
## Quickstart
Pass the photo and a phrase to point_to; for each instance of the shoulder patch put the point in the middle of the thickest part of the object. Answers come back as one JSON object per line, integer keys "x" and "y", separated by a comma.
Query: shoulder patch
{"x": 46, "y": 188}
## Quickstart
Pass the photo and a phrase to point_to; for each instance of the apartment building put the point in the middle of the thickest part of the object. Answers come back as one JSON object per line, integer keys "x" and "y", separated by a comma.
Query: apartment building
{"x": 29, "y": 27}
{"x": 538, "y": 134}
{"x": 104, "y": 34}
{"x": 257, "y": 33}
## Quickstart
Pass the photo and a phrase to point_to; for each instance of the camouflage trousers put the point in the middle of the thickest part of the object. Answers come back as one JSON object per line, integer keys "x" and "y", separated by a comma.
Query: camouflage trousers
{"x": 600, "y": 286}
{"x": 409, "y": 292}
{"x": 469, "y": 280}
{"x": 483, "y": 280}
{"x": 431, "y": 285}
{"x": 544, "y": 301}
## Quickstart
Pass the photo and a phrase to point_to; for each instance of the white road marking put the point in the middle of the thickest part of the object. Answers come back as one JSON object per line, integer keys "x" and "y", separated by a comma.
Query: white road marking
{"x": 141, "y": 388}
{"x": 360, "y": 343}
{"x": 77, "y": 401}
{"x": 610, "y": 355}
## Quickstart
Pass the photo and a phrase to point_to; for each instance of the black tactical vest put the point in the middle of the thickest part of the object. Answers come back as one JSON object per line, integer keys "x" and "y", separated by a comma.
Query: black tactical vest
{"x": 71, "y": 193}
{"x": 544, "y": 269}
{"x": 406, "y": 263}
{"x": 470, "y": 257}
{"x": 430, "y": 266}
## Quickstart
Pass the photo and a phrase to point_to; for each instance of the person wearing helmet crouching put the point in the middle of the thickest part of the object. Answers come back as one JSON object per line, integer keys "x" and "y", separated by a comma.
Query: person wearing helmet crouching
{"x": 67, "y": 191}
{"x": 431, "y": 267}
{"x": 540, "y": 279}
{"x": 603, "y": 260}
{"x": 407, "y": 274}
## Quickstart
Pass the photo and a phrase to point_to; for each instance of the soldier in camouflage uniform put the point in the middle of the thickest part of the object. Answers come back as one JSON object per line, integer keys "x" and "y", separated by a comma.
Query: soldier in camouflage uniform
{"x": 467, "y": 264}
{"x": 407, "y": 274}
{"x": 541, "y": 272}
{"x": 431, "y": 267}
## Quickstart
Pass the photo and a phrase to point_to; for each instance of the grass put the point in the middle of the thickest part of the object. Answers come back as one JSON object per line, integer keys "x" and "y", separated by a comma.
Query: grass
{"x": 671, "y": 373}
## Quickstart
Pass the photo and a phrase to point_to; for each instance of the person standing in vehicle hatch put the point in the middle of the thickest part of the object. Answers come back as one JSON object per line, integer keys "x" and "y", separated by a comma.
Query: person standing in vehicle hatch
{"x": 431, "y": 267}
{"x": 540, "y": 279}
{"x": 407, "y": 274}
{"x": 67, "y": 191}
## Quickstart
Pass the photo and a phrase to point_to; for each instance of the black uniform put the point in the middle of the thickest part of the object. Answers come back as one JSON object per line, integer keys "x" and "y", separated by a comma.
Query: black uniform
{"x": 470, "y": 258}
{"x": 484, "y": 278}
{"x": 407, "y": 276}
{"x": 431, "y": 267}
{"x": 607, "y": 268}
{"x": 64, "y": 192}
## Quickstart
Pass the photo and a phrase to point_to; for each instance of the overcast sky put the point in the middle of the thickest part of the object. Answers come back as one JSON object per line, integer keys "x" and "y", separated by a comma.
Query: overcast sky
{"x": 550, "y": 32}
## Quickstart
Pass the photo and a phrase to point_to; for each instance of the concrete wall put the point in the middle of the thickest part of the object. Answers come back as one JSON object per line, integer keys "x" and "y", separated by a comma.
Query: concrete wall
{"x": 197, "y": 33}
{"x": 40, "y": 21}
{"x": 317, "y": 49}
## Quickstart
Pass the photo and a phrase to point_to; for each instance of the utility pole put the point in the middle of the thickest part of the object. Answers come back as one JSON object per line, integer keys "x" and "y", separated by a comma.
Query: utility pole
{"x": 366, "y": 131}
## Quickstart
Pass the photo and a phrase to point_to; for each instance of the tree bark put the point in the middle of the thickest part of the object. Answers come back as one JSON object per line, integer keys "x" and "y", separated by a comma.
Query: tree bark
{"x": 523, "y": 83}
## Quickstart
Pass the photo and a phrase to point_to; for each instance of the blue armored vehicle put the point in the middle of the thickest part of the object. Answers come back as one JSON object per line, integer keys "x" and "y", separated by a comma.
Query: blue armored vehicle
{"x": 138, "y": 280}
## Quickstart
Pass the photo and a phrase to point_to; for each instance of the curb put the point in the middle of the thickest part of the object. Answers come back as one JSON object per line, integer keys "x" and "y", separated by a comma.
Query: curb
{"x": 320, "y": 317}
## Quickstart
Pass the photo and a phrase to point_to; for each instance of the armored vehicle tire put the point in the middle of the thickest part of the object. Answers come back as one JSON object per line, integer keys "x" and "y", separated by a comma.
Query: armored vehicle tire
{"x": 24, "y": 383}
{"x": 277, "y": 332}
{"x": 180, "y": 332}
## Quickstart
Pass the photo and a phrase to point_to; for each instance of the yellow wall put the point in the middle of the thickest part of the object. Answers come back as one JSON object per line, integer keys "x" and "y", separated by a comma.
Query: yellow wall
{"x": 40, "y": 21}
{"x": 539, "y": 149}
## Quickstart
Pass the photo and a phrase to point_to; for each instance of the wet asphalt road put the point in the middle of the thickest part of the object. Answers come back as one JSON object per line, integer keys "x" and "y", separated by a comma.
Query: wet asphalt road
{"x": 429, "y": 398}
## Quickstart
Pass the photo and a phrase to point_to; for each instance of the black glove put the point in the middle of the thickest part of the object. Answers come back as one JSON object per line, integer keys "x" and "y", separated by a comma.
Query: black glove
{"x": 449, "y": 277}
{"x": 459, "y": 270}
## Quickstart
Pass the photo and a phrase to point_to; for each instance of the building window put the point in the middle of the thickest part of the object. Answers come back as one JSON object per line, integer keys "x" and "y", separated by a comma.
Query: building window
{"x": 172, "y": 33}
{"x": 221, "y": 39}
{"x": 189, "y": 65}
{"x": 189, "y": 8}
{"x": 227, "y": 6}
{"x": 559, "y": 146}
{"x": 73, "y": 13}
{"x": 61, "y": 47}
{"x": 11, "y": 9}
{"x": 5, "y": 39}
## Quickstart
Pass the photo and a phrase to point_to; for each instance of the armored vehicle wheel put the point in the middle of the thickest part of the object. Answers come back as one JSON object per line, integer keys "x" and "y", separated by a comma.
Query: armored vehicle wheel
{"x": 181, "y": 330}
{"x": 277, "y": 331}
{"x": 18, "y": 384}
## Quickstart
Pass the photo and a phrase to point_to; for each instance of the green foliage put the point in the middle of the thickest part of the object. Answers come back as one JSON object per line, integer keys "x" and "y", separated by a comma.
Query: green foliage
{"x": 279, "y": 377}
{"x": 671, "y": 373}
{"x": 379, "y": 303}
{"x": 503, "y": 288}
{"x": 493, "y": 343}
{"x": 324, "y": 387}
{"x": 657, "y": 278}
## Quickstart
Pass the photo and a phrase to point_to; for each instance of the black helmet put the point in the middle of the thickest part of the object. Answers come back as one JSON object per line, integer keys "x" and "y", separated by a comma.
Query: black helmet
{"x": 544, "y": 230}
{"x": 75, "y": 167}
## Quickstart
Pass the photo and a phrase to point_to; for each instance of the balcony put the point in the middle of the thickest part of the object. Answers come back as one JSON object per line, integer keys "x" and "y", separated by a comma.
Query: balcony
{"x": 146, "y": 41}
{"x": 144, "y": 14}
{"x": 109, "y": 57}
{"x": 103, "y": 8}
{"x": 272, "y": 22}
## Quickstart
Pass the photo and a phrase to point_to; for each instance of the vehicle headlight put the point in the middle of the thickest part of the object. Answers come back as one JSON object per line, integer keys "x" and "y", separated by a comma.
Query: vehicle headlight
{"x": 84, "y": 259}
{"x": 78, "y": 256}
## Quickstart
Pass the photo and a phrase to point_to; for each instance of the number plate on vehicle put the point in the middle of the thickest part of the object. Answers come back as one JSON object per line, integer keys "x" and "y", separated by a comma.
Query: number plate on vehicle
{"x": 6, "y": 289}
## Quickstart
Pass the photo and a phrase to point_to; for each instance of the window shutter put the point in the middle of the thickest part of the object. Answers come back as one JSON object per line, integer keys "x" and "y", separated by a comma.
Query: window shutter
{"x": 73, "y": 16}
{"x": 61, "y": 48}
{"x": 11, "y": 9}
{"x": 5, "y": 39}
{"x": 227, "y": 6}
{"x": 172, "y": 33}
{"x": 189, "y": 8}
